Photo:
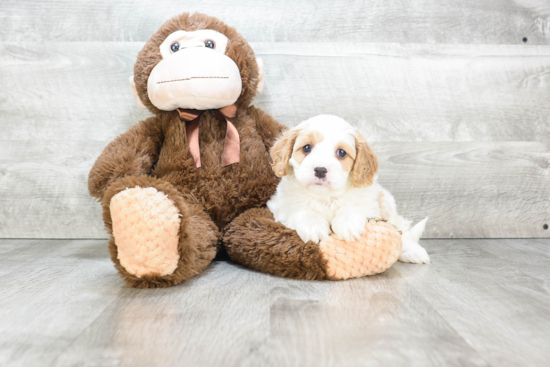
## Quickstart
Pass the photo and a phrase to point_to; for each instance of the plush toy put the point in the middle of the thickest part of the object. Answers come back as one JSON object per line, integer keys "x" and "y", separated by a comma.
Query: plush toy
{"x": 194, "y": 178}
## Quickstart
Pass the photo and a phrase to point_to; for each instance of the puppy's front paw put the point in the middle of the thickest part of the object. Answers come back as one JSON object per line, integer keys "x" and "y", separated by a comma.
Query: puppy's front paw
{"x": 414, "y": 253}
{"x": 349, "y": 226}
{"x": 313, "y": 230}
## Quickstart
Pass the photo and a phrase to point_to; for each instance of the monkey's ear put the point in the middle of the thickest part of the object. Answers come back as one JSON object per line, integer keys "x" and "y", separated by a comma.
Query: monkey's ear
{"x": 260, "y": 86}
{"x": 134, "y": 93}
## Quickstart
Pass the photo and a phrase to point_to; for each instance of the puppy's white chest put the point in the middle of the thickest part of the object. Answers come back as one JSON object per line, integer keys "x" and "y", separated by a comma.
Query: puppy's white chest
{"x": 327, "y": 207}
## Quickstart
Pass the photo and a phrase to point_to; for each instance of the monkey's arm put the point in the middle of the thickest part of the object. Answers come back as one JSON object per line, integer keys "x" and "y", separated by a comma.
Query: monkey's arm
{"x": 131, "y": 154}
{"x": 268, "y": 128}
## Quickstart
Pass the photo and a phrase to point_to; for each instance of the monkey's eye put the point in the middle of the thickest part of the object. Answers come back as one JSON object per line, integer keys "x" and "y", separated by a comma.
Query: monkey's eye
{"x": 175, "y": 47}
{"x": 307, "y": 148}
{"x": 341, "y": 153}
{"x": 209, "y": 44}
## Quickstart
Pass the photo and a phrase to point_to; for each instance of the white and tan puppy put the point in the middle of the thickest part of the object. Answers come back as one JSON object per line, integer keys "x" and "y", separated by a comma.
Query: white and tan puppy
{"x": 329, "y": 185}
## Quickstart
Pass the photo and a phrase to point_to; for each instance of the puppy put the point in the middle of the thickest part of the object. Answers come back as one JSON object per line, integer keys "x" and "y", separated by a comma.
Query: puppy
{"x": 329, "y": 185}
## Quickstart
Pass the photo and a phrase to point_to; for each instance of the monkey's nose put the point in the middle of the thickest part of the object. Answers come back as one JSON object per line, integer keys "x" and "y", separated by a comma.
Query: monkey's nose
{"x": 320, "y": 172}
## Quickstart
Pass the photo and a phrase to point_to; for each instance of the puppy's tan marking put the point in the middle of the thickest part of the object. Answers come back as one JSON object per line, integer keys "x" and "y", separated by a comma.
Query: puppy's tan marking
{"x": 366, "y": 163}
{"x": 312, "y": 138}
{"x": 282, "y": 150}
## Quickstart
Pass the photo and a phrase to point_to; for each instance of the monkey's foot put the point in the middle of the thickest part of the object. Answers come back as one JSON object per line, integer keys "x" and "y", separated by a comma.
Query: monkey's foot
{"x": 375, "y": 252}
{"x": 146, "y": 226}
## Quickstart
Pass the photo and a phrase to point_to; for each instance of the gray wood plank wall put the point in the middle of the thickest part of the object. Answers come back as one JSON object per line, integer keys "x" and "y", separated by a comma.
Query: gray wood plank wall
{"x": 453, "y": 99}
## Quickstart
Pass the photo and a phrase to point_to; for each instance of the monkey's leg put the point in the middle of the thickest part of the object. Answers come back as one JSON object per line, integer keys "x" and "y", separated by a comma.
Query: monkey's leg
{"x": 255, "y": 240}
{"x": 157, "y": 238}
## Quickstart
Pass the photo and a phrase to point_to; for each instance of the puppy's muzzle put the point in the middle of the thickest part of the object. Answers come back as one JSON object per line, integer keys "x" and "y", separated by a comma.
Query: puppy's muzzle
{"x": 320, "y": 172}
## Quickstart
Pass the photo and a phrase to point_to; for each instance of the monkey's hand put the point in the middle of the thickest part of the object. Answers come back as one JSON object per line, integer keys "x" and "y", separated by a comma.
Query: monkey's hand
{"x": 131, "y": 154}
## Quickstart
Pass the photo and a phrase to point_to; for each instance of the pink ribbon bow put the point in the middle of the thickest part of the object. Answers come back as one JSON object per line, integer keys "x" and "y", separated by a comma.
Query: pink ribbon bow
{"x": 232, "y": 146}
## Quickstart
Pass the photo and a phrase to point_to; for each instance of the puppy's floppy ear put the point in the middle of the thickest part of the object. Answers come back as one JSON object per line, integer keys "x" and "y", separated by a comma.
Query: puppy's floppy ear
{"x": 281, "y": 151}
{"x": 366, "y": 163}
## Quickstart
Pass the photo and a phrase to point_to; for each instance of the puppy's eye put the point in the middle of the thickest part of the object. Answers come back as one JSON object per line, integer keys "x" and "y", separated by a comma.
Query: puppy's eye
{"x": 307, "y": 148}
{"x": 209, "y": 44}
{"x": 175, "y": 47}
{"x": 341, "y": 153}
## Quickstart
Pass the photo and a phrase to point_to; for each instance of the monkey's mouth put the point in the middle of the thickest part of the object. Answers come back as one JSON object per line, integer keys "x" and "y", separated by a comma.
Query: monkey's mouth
{"x": 193, "y": 77}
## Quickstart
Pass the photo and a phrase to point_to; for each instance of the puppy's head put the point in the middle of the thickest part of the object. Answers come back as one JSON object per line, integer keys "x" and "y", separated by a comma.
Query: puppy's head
{"x": 325, "y": 154}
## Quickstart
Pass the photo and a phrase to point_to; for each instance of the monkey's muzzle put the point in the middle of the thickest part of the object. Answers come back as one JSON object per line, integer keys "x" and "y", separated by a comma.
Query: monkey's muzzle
{"x": 194, "y": 78}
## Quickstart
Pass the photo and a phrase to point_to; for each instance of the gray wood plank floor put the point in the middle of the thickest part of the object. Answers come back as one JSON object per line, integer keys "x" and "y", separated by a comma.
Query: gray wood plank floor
{"x": 480, "y": 302}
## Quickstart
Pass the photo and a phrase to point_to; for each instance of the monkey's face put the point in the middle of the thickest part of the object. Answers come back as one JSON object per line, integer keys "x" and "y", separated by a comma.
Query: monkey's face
{"x": 194, "y": 72}
{"x": 196, "y": 61}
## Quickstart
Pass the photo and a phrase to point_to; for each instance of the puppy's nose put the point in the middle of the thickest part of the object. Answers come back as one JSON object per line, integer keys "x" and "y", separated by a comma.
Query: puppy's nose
{"x": 320, "y": 172}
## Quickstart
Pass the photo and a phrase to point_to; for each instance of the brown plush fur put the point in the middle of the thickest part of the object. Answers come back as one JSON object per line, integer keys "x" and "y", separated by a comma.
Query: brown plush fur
{"x": 257, "y": 241}
{"x": 154, "y": 153}
{"x": 130, "y": 154}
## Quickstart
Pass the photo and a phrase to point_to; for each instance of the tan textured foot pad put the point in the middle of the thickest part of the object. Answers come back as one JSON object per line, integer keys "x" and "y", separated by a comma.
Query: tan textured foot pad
{"x": 146, "y": 227}
{"x": 375, "y": 252}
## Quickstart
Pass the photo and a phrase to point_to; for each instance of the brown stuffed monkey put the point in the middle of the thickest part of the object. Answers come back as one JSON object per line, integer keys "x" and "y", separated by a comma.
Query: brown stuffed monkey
{"x": 195, "y": 177}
